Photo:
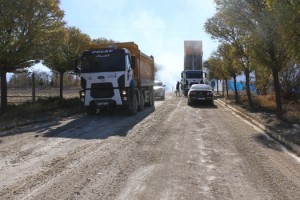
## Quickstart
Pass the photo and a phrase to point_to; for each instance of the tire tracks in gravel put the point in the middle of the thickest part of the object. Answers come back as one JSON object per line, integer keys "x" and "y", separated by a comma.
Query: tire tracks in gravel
{"x": 178, "y": 170}
{"x": 94, "y": 166}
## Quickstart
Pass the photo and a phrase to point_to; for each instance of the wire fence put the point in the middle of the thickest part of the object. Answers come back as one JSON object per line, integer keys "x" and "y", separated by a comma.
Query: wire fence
{"x": 23, "y": 95}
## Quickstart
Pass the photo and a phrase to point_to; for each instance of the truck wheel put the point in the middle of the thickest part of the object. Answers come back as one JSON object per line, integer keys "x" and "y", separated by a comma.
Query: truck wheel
{"x": 134, "y": 105}
{"x": 142, "y": 103}
{"x": 151, "y": 98}
{"x": 150, "y": 103}
{"x": 91, "y": 110}
{"x": 185, "y": 92}
{"x": 163, "y": 97}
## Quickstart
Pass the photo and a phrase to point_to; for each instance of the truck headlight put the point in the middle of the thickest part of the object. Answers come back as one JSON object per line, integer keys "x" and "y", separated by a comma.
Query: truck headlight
{"x": 81, "y": 93}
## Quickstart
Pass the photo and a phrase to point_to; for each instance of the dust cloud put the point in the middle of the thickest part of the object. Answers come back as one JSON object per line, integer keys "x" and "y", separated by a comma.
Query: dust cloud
{"x": 168, "y": 77}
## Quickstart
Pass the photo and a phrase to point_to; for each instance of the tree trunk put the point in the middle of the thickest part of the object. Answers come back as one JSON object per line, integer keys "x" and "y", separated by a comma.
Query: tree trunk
{"x": 3, "y": 92}
{"x": 277, "y": 92}
{"x": 33, "y": 87}
{"x": 217, "y": 86}
{"x": 235, "y": 90}
{"x": 61, "y": 84}
{"x": 227, "y": 89}
{"x": 248, "y": 91}
{"x": 223, "y": 88}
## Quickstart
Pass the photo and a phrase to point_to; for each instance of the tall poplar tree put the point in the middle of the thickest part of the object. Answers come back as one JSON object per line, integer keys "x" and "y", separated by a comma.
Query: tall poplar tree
{"x": 27, "y": 30}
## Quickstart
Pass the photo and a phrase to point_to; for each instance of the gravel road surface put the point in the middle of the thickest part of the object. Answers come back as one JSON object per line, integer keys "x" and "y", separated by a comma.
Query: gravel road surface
{"x": 171, "y": 152}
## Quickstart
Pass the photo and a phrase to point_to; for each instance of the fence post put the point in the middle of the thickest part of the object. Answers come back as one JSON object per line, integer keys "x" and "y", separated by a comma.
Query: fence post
{"x": 33, "y": 87}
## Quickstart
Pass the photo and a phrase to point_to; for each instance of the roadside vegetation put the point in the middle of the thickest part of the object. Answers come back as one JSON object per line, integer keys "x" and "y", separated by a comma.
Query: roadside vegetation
{"x": 259, "y": 40}
{"x": 50, "y": 107}
{"x": 33, "y": 31}
{"x": 267, "y": 104}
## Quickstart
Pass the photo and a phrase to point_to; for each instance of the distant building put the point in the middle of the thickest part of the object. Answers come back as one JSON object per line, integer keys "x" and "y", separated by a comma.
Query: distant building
{"x": 193, "y": 55}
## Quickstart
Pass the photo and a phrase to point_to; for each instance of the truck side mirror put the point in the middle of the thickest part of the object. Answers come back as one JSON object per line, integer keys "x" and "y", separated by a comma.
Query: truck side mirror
{"x": 133, "y": 61}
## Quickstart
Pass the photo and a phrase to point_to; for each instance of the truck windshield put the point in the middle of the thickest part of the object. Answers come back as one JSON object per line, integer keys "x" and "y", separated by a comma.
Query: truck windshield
{"x": 103, "y": 62}
{"x": 194, "y": 74}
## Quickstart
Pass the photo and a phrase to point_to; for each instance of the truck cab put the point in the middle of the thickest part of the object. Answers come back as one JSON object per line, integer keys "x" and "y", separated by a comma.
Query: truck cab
{"x": 190, "y": 77}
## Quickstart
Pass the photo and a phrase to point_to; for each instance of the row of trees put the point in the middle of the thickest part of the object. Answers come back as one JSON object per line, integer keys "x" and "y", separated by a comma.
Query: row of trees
{"x": 33, "y": 31}
{"x": 42, "y": 79}
{"x": 260, "y": 37}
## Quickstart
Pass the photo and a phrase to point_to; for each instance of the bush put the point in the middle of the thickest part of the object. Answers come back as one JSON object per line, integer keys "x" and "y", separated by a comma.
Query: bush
{"x": 290, "y": 82}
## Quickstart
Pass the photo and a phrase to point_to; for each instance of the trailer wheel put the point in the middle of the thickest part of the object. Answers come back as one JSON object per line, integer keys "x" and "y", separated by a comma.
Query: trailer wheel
{"x": 186, "y": 92}
{"x": 150, "y": 103}
{"x": 151, "y": 98}
{"x": 142, "y": 102}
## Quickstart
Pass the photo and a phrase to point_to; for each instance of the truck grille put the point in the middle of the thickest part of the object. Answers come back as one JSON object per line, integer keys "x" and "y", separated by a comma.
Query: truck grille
{"x": 102, "y": 90}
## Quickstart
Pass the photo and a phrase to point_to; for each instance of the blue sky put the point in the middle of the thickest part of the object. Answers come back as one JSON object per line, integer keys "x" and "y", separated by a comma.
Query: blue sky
{"x": 159, "y": 27}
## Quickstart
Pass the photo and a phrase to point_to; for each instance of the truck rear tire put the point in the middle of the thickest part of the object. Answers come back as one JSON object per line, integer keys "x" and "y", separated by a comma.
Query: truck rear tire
{"x": 150, "y": 103}
{"x": 142, "y": 103}
{"x": 151, "y": 98}
{"x": 186, "y": 92}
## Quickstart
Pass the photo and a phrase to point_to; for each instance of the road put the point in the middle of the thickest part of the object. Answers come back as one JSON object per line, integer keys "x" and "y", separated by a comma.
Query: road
{"x": 173, "y": 152}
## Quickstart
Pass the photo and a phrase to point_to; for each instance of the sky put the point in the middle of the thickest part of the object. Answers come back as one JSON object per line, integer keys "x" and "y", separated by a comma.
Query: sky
{"x": 158, "y": 27}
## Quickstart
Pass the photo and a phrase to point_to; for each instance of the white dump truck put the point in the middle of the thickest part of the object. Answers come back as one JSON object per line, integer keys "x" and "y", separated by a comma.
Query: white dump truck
{"x": 116, "y": 75}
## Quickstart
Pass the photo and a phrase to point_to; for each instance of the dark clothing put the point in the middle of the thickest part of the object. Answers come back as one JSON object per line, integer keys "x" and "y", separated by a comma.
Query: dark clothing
{"x": 177, "y": 89}
{"x": 177, "y": 86}
{"x": 213, "y": 85}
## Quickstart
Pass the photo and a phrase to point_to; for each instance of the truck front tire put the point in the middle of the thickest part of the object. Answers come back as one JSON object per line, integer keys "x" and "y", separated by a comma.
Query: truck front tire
{"x": 134, "y": 105}
{"x": 91, "y": 110}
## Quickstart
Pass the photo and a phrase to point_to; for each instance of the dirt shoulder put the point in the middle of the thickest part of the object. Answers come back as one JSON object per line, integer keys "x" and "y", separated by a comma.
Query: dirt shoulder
{"x": 285, "y": 132}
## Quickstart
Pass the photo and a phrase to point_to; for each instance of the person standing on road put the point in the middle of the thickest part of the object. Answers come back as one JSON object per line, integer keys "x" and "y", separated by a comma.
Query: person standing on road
{"x": 177, "y": 89}
{"x": 213, "y": 85}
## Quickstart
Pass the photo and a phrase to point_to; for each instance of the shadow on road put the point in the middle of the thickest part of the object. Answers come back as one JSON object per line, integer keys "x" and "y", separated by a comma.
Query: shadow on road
{"x": 99, "y": 126}
{"x": 159, "y": 99}
{"x": 203, "y": 105}
{"x": 268, "y": 143}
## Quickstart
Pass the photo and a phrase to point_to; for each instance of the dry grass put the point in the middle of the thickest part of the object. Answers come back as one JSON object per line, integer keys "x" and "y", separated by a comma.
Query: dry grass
{"x": 53, "y": 106}
{"x": 292, "y": 112}
{"x": 20, "y": 105}
{"x": 24, "y": 95}
{"x": 267, "y": 103}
